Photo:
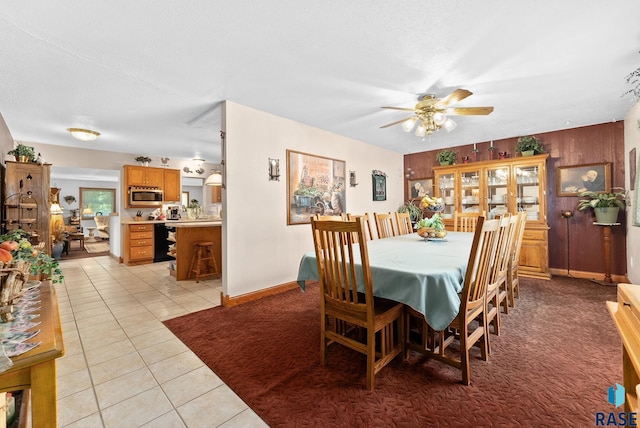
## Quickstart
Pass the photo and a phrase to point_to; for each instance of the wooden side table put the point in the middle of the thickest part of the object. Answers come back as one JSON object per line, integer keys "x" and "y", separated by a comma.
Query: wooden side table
{"x": 606, "y": 243}
{"x": 77, "y": 236}
{"x": 36, "y": 369}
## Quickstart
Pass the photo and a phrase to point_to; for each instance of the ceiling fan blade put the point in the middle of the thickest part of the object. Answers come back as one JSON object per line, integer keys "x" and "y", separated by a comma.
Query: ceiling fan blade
{"x": 454, "y": 97}
{"x": 399, "y": 108}
{"x": 468, "y": 111}
{"x": 396, "y": 122}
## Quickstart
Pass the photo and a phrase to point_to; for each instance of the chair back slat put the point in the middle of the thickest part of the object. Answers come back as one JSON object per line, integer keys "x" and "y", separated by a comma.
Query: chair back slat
{"x": 337, "y": 256}
{"x": 478, "y": 268}
{"x": 465, "y": 222}
{"x": 367, "y": 224}
{"x": 403, "y": 220}
{"x": 384, "y": 225}
{"x": 500, "y": 261}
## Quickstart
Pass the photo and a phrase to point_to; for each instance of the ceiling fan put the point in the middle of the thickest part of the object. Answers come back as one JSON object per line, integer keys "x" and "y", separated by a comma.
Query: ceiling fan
{"x": 432, "y": 112}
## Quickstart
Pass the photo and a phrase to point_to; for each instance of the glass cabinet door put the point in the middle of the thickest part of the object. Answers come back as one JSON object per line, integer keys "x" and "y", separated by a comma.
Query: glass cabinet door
{"x": 497, "y": 191}
{"x": 528, "y": 191}
{"x": 470, "y": 191}
{"x": 446, "y": 191}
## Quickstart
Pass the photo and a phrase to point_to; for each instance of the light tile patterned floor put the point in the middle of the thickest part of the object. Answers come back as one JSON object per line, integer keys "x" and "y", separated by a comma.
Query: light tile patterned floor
{"x": 122, "y": 366}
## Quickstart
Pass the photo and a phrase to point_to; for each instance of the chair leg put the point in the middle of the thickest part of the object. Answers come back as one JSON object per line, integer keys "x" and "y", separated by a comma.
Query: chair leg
{"x": 371, "y": 358}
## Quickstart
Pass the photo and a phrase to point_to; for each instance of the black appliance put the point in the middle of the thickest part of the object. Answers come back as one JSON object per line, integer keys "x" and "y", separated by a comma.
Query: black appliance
{"x": 145, "y": 197}
{"x": 160, "y": 243}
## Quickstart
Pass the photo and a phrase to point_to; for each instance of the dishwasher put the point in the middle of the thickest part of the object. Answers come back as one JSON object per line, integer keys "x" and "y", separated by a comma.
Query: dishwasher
{"x": 160, "y": 242}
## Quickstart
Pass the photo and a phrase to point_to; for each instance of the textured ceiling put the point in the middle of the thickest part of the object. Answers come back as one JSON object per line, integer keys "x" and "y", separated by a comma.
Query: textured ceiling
{"x": 150, "y": 75}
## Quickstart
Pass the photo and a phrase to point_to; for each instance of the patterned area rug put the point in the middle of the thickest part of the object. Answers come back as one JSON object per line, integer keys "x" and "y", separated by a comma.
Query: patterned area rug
{"x": 96, "y": 247}
{"x": 557, "y": 355}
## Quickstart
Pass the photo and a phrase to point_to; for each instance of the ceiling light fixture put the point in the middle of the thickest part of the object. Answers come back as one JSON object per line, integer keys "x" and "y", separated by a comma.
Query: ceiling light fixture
{"x": 198, "y": 161}
{"x": 215, "y": 179}
{"x": 429, "y": 120}
{"x": 83, "y": 134}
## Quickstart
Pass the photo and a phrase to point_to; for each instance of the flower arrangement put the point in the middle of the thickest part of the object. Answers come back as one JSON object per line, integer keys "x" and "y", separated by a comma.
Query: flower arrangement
{"x": 446, "y": 157}
{"x": 431, "y": 204}
{"x": 378, "y": 172}
{"x": 18, "y": 245}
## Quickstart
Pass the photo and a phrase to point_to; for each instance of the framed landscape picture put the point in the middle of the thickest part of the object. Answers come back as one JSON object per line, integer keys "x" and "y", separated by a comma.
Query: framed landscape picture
{"x": 315, "y": 185}
{"x": 571, "y": 180}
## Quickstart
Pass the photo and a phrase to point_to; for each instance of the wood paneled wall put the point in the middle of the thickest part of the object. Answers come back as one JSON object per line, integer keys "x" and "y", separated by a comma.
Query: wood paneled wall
{"x": 574, "y": 244}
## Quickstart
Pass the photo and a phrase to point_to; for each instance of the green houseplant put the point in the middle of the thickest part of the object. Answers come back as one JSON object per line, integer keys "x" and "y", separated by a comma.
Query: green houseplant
{"x": 529, "y": 145}
{"x": 23, "y": 153}
{"x": 446, "y": 157}
{"x": 605, "y": 204}
{"x": 414, "y": 212}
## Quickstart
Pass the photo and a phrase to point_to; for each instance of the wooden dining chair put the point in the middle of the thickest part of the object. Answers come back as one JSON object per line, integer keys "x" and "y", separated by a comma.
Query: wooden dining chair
{"x": 469, "y": 326}
{"x": 465, "y": 222}
{"x": 340, "y": 217}
{"x": 367, "y": 224}
{"x": 384, "y": 225}
{"x": 512, "y": 278}
{"x": 382, "y": 320}
{"x": 496, "y": 288}
{"x": 403, "y": 220}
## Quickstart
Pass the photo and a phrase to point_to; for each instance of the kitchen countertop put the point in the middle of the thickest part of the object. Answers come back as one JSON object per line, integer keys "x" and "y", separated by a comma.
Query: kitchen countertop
{"x": 178, "y": 223}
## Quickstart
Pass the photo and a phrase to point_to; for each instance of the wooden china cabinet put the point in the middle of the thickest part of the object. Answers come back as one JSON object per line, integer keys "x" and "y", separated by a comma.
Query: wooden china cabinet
{"x": 502, "y": 186}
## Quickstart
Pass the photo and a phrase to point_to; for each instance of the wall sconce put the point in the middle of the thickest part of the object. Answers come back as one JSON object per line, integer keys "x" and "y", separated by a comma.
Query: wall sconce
{"x": 352, "y": 179}
{"x": 274, "y": 169}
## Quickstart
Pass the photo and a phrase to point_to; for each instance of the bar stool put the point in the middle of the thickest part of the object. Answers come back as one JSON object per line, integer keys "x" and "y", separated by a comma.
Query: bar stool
{"x": 203, "y": 254}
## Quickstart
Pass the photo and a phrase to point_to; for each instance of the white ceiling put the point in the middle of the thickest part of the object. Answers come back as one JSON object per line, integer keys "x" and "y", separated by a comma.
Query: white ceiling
{"x": 150, "y": 74}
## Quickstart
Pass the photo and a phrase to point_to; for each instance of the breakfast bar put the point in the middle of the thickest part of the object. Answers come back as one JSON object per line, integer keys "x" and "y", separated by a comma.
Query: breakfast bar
{"x": 186, "y": 235}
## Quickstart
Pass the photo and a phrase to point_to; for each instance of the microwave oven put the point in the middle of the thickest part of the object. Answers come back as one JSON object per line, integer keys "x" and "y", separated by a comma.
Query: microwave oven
{"x": 145, "y": 197}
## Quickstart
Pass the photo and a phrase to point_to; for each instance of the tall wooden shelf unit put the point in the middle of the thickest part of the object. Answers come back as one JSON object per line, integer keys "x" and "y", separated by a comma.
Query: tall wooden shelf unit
{"x": 25, "y": 200}
{"x": 500, "y": 186}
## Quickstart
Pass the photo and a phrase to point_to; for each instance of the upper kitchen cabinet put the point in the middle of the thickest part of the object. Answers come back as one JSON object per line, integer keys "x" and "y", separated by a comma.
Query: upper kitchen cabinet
{"x": 144, "y": 176}
{"x": 216, "y": 194}
{"x": 172, "y": 188}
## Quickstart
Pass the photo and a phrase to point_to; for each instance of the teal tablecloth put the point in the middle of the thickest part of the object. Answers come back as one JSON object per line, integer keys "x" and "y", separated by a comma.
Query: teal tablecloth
{"x": 426, "y": 275}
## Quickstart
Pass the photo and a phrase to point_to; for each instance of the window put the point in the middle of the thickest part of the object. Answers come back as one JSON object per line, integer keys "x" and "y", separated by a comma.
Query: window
{"x": 95, "y": 200}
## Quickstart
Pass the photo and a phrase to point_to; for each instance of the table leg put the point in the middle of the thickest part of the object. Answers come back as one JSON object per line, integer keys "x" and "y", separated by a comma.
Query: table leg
{"x": 43, "y": 394}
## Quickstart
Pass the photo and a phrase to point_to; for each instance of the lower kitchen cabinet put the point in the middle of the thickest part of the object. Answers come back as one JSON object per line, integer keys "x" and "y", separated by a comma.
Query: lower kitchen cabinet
{"x": 138, "y": 244}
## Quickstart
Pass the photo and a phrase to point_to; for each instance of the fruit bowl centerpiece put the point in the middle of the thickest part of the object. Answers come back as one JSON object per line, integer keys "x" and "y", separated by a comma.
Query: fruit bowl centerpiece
{"x": 431, "y": 204}
{"x": 431, "y": 228}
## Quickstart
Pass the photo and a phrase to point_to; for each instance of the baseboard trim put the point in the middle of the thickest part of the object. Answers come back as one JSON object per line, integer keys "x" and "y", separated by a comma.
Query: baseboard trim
{"x": 594, "y": 276}
{"x": 255, "y": 295}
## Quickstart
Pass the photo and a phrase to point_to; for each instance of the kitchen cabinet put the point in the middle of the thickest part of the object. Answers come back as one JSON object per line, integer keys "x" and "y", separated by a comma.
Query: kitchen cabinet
{"x": 138, "y": 244}
{"x": 26, "y": 200}
{"x": 216, "y": 193}
{"x": 143, "y": 176}
{"x": 498, "y": 187}
{"x": 186, "y": 236}
{"x": 172, "y": 188}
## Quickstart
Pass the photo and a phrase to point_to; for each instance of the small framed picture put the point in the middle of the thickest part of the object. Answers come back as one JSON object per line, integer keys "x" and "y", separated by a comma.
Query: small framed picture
{"x": 379, "y": 182}
{"x": 420, "y": 187}
{"x": 572, "y": 180}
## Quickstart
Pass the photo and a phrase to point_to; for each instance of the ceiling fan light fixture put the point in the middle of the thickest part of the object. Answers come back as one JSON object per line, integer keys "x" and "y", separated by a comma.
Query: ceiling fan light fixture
{"x": 408, "y": 124}
{"x": 439, "y": 118}
{"x": 449, "y": 125}
{"x": 83, "y": 134}
{"x": 421, "y": 131}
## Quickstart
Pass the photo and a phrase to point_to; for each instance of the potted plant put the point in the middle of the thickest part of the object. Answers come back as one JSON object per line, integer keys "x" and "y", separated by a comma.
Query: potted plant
{"x": 143, "y": 160}
{"x": 529, "y": 145}
{"x": 414, "y": 212}
{"x": 23, "y": 153}
{"x": 605, "y": 204}
{"x": 59, "y": 236}
{"x": 446, "y": 157}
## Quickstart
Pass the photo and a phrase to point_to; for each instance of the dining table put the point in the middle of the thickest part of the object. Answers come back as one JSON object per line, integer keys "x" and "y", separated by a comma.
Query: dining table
{"x": 425, "y": 274}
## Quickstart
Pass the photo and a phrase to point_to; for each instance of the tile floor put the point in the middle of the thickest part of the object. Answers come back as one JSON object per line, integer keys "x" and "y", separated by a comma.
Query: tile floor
{"x": 122, "y": 366}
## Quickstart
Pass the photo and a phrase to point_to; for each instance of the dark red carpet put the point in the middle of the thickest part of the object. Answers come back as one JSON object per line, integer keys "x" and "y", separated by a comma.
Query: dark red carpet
{"x": 551, "y": 367}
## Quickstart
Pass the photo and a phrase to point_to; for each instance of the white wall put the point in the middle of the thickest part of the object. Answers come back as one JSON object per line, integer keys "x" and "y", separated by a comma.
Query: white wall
{"x": 631, "y": 141}
{"x": 259, "y": 249}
